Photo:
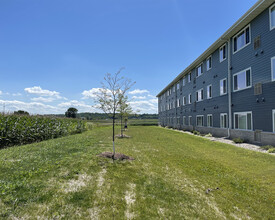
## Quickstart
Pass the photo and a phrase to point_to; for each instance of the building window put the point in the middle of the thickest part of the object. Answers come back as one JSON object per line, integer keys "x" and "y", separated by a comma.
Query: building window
{"x": 183, "y": 81}
{"x": 178, "y": 120}
{"x": 223, "y": 87}
{"x": 189, "y": 77}
{"x": 242, "y": 80}
{"x": 190, "y": 120}
{"x": 223, "y": 53}
{"x": 178, "y": 102}
{"x": 223, "y": 120}
{"x": 184, "y": 100}
{"x": 178, "y": 86}
{"x": 242, "y": 39}
{"x": 209, "y": 120}
{"x": 243, "y": 120}
{"x": 199, "y": 120}
{"x": 209, "y": 91}
{"x": 199, "y": 95}
{"x": 184, "y": 120}
{"x": 209, "y": 63}
{"x": 273, "y": 119}
{"x": 199, "y": 70}
{"x": 174, "y": 88}
{"x": 272, "y": 16}
{"x": 189, "y": 99}
{"x": 273, "y": 68}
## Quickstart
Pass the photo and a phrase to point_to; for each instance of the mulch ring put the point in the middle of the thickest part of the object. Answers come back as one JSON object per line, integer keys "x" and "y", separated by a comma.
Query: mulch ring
{"x": 118, "y": 156}
{"x": 122, "y": 136}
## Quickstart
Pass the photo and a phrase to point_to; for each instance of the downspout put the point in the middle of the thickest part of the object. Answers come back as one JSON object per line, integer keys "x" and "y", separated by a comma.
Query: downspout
{"x": 229, "y": 88}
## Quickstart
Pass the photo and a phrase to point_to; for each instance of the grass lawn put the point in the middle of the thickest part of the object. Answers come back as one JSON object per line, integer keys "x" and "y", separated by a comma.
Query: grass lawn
{"x": 64, "y": 179}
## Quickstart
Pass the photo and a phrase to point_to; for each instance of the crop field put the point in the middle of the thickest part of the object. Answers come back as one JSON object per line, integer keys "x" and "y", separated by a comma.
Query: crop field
{"x": 173, "y": 176}
{"x": 133, "y": 122}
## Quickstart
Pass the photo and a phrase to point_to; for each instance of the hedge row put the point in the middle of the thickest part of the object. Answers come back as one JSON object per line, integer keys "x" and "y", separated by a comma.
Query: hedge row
{"x": 18, "y": 130}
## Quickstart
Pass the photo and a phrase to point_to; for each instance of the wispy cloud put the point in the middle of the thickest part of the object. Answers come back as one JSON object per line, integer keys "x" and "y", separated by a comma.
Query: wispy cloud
{"x": 138, "y": 91}
{"x": 17, "y": 94}
{"x": 139, "y": 97}
{"x": 43, "y": 99}
{"x": 37, "y": 90}
{"x": 87, "y": 94}
{"x": 81, "y": 106}
{"x": 1, "y": 92}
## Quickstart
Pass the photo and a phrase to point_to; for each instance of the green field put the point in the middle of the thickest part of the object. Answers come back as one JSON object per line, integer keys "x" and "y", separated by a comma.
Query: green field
{"x": 64, "y": 179}
{"x": 133, "y": 122}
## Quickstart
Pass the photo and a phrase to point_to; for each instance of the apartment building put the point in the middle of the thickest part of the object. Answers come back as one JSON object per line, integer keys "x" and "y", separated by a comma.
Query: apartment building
{"x": 229, "y": 90}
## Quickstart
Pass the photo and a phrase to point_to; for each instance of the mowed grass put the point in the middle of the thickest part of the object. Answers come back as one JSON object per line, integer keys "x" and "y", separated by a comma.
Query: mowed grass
{"x": 64, "y": 179}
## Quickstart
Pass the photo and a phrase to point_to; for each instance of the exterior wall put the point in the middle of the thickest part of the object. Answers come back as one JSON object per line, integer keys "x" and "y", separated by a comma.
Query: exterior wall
{"x": 261, "y": 106}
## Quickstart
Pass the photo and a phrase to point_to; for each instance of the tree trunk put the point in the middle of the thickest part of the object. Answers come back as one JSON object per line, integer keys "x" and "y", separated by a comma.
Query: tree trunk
{"x": 121, "y": 127}
{"x": 114, "y": 150}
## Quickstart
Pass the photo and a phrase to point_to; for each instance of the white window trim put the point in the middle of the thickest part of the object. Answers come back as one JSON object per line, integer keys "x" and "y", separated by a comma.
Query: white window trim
{"x": 235, "y": 113}
{"x": 206, "y": 63}
{"x": 220, "y": 87}
{"x": 189, "y": 101}
{"x": 245, "y": 79}
{"x": 222, "y": 114}
{"x": 197, "y": 120}
{"x": 219, "y": 53}
{"x": 273, "y": 118}
{"x": 237, "y": 35}
{"x": 271, "y": 28}
{"x": 178, "y": 85}
{"x": 201, "y": 64}
{"x": 189, "y": 75}
{"x": 196, "y": 95}
{"x": 207, "y": 91}
{"x": 272, "y": 70}
{"x": 207, "y": 121}
{"x": 183, "y": 101}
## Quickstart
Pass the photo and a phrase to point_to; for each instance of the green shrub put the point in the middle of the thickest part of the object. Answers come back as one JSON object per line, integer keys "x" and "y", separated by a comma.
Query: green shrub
{"x": 238, "y": 140}
{"x": 208, "y": 135}
{"x": 196, "y": 132}
{"x": 271, "y": 150}
{"x": 22, "y": 129}
{"x": 267, "y": 147}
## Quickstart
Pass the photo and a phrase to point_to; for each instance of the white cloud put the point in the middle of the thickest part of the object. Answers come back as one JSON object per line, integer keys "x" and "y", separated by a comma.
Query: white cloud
{"x": 17, "y": 94}
{"x": 43, "y": 99}
{"x": 1, "y": 92}
{"x": 90, "y": 93}
{"x": 139, "y": 97}
{"x": 138, "y": 91}
{"x": 81, "y": 106}
{"x": 144, "y": 106}
{"x": 151, "y": 96}
{"x": 36, "y": 90}
{"x": 31, "y": 107}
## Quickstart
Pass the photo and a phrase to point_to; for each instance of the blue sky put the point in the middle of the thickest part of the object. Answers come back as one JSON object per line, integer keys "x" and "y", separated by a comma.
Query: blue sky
{"x": 54, "y": 53}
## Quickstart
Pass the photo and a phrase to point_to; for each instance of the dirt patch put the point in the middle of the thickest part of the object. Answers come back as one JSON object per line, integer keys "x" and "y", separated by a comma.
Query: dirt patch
{"x": 117, "y": 156}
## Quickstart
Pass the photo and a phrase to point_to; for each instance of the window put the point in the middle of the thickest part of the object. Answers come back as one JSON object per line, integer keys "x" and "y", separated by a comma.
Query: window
{"x": 178, "y": 120}
{"x": 189, "y": 77}
{"x": 189, "y": 99}
{"x": 209, "y": 120}
{"x": 184, "y": 81}
{"x": 178, "y": 102}
{"x": 184, "y": 100}
{"x": 199, "y": 70}
{"x": 184, "y": 120}
{"x": 242, "y": 80}
{"x": 243, "y": 120}
{"x": 199, "y": 120}
{"x": 199, "y": 94}
{"x": 272, "y": 16}
{"x": 273, "y": 68}
{"x": 209, "y": 91}
{"x": 242, "y": 39}
{"x": 223, "y": 87}
{"x": 223, "y": 120}
{"x": 178, "y": 86}
{"x": 209, "y": 63}
{"x": 222, "y": 53}
{"x": 273, "y": 119}
{"x": 190, "y": 120}
{"x": 174, "y": 88}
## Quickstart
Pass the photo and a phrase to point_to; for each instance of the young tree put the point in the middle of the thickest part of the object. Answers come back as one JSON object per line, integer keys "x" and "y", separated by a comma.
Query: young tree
{"x": 124, "y": 109}
{"x": 71, "y": 112}
{"x": 111, "y": 94}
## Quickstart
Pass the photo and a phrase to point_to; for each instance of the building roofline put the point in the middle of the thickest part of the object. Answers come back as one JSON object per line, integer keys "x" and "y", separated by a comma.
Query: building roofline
{"x": 251, "y": 14}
